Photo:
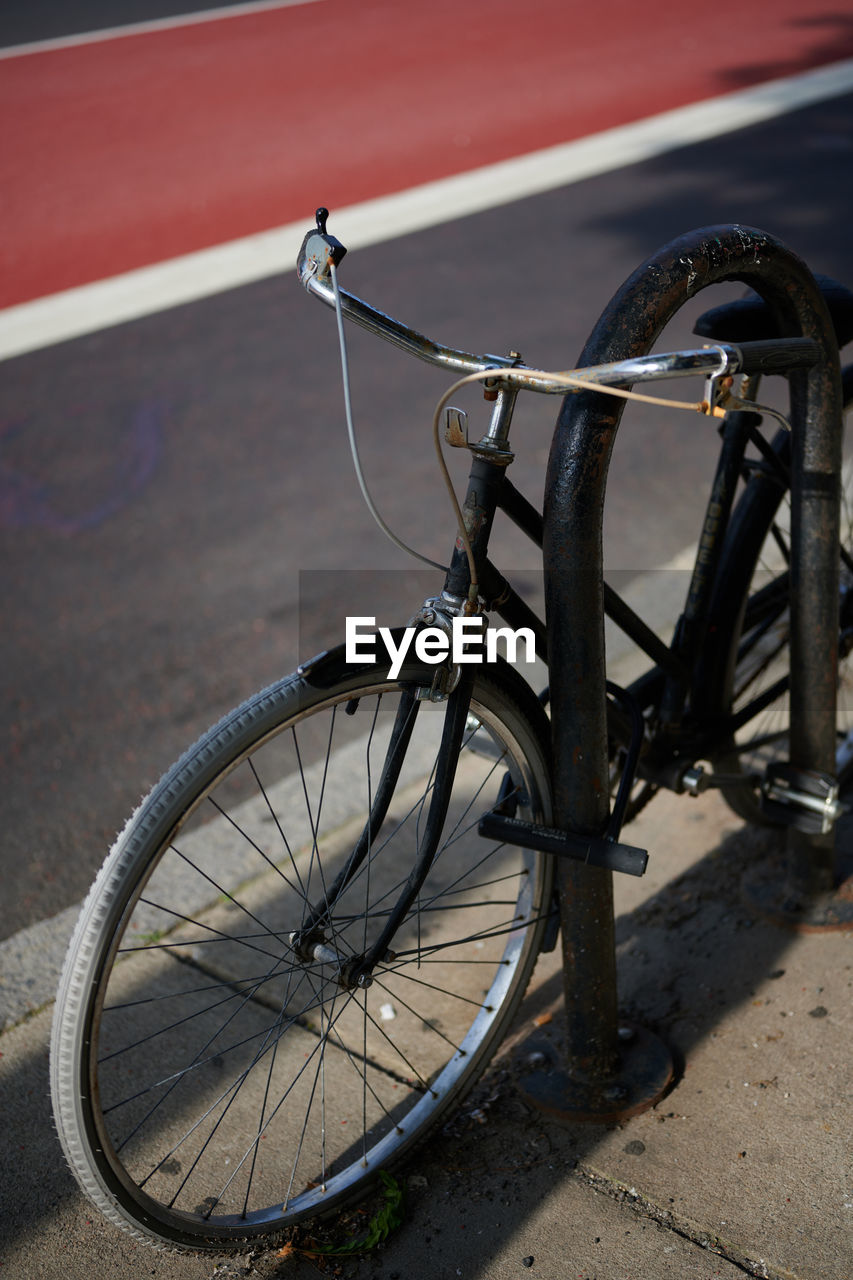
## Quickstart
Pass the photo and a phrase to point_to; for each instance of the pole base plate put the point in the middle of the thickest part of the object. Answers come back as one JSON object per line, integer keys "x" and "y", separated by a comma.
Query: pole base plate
{"x": 643, "y": 1076}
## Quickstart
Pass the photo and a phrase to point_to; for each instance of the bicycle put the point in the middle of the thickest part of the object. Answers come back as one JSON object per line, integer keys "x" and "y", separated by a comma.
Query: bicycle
{"x": 313, "y": 934}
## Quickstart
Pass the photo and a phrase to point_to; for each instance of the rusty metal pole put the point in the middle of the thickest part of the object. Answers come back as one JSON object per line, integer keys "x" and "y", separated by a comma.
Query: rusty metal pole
{"x": 612, "y": 1072}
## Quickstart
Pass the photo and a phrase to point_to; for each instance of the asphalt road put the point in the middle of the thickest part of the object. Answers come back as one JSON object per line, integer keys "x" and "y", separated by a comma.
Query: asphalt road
{"x": 176, "y": 488}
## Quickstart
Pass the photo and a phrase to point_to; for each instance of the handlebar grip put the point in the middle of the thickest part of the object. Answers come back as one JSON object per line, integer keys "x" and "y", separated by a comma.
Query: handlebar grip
{"x": 778, "y": 355}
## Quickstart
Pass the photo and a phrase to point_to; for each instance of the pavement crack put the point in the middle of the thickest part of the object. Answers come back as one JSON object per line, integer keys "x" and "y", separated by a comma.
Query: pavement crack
{"x": 678, "y": 1225}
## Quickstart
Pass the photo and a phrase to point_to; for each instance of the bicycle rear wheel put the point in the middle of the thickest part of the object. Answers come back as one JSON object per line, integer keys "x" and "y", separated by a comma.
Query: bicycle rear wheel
{"x": 750, "y": 620}
{"x": 212, "y": 1082}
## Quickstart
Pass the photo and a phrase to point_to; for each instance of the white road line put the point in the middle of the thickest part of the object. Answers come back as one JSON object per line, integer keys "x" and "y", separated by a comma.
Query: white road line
{"x": 143, "y": 28}
{"x": 75, "y": 312}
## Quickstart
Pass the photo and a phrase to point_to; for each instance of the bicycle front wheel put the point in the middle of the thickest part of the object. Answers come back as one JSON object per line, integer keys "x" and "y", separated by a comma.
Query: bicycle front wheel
{"x": 751, "y": 625}
{"x": 213, "y": 1081}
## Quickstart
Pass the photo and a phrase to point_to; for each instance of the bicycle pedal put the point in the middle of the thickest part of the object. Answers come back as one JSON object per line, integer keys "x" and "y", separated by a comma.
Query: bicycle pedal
{"x": 801, "y": 798}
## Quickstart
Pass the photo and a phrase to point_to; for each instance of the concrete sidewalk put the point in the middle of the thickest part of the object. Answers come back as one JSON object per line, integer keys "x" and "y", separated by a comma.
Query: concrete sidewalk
{"x": 744, "y": 1168}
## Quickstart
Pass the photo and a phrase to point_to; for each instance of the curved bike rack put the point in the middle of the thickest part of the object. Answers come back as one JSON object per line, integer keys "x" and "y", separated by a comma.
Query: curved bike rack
{"x": 613, "y": 1072}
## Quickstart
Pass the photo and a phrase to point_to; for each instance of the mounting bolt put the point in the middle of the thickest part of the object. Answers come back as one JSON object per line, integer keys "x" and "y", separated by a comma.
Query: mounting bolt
{"x": 364, "y": 981}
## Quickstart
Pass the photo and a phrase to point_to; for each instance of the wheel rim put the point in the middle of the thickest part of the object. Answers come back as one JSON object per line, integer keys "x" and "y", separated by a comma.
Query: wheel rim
{"x": 238, "y": 1088}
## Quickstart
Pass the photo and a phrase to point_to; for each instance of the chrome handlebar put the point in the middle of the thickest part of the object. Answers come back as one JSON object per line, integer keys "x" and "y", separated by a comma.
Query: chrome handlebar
{"x": 320, "y": 251}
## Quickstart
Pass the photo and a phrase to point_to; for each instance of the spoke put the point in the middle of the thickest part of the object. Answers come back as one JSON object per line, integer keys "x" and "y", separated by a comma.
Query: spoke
{"x": 375, "y": 853}
{"x": 301, "y": 1142}
{"x": 366, "y": 912}
{"x": 315, "y": 823}
{"x": 364, "y": 1079}
{"x": 453, "y": 837}
{"x": 395, "y": 1047}
{"x": 456, "y": 835}
{"x": 227, "y": 1090}
{"x": 197, "y": 1063}
{"x": 768, "y": 697}
{"x": 233, "y": 983}
{"x": 321, "y": 1042}
{"x": 219, "y": 889}
{"x": 318, "y": 1048}
{"x": 748, "y": 678}
{"x": 425, "y": 1021}
{"x": 489, "y": 853}
{"x": 219, "y": 936}
{"x": 355, "y": 1056}
{"x": 498, "y": 932}
{"x": 354, "y": 1059}
{"x": 430, "y": 788}
{"x": 420, "y": 804}
{"x": 367, "y": 915}
{"x": 254, "y": 844}
{"x": 510, "y": 876}
{"x": 469, "y": 960}
{"x": 280, "y": 829}
{"x": 257, "y": 1142}
{"x": 359, "y": 863}
{"x": 768, "y": 739}
{"x": 173, "y": 1082}
{"x": 234, "y": 1090}
{"x": 436, "y": 902}
{"x": 244, "y": 996}
{"x": 429, "y": 904}
{"x": 445, "y": 991}
{"x": 781, "y": 542}
{"x": 439, "y": 904}
{"x": 152, "y": 1035}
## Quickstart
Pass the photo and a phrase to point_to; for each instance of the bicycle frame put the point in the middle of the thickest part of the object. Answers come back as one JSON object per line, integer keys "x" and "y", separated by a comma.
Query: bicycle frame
{"x": 677, "y": 741}
{"x": 671, "y": 684}
{"x": 489, "y": 490}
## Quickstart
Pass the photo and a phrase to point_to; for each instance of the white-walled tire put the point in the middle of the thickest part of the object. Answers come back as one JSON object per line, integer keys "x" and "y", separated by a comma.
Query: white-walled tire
{"x": 214, "y": 1084}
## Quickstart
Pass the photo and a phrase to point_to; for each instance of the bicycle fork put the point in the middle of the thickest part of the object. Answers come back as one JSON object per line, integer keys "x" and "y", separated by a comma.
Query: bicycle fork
{"x": 453, "y": 683}
{"x": 311, "y": 942}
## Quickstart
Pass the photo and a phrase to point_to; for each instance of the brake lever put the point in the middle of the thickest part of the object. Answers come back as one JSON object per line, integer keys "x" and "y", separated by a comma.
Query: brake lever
{"x": 319, "y": 252}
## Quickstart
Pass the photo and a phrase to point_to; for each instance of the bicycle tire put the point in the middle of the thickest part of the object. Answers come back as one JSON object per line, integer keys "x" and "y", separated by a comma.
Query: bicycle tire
{"x": 750, "y": 622}
{"x": 210, "y": 1087}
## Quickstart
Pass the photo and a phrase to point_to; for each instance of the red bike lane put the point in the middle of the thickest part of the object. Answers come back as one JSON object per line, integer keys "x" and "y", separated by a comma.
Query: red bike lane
{"x": 142, "y": 147}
